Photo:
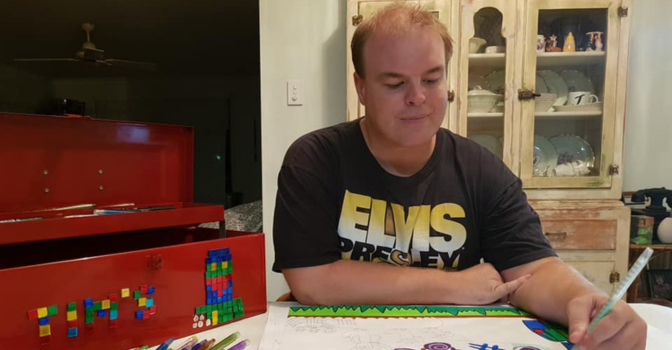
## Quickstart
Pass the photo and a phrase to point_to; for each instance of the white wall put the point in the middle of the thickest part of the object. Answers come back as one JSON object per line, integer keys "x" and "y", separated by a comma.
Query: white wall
{"x": 648, "y": 131}
{"x": 300, "y": 39}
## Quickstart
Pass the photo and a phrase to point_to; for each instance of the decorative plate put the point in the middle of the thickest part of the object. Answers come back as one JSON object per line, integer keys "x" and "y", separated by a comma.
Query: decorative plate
{"x": 571, "y": 148}
{"x": 577, "y": 81}
{"x": 488, "y": 141}
{"x": 555, "y": 85}
{"x": 544, "y": 158}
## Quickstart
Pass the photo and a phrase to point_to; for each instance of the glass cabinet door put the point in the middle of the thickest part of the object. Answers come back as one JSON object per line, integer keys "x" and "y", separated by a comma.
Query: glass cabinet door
{"x": 568, "y": 93}
{"x": 359, "y": 10}
{"x": 486, "y": 49}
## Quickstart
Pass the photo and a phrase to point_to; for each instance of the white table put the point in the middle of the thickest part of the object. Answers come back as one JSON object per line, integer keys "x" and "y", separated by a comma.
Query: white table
{"x": 659, "y": 319}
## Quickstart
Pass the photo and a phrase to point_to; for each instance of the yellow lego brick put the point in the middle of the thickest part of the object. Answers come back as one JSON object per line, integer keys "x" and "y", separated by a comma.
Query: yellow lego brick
{"x": 105, "y": 305}
{"x": 45, "y": 330}
{"x": 225, "y": 264}
{"x": 215, "y": 317}
{"x": 213, "y": 266}
{"x": 72, "y": 315}
{"x": 142, "y": 301}
{"x": 42, "y": 312}
{"x": 125, "y": 293}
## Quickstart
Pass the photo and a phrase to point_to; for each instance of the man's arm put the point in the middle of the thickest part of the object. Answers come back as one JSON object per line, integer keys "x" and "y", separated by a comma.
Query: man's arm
{"x": 356, "y": 282}
{"x": 558, "y": 293}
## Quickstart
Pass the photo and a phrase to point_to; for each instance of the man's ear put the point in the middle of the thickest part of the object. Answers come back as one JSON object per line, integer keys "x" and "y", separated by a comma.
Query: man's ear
{"x": 361, "y": 89}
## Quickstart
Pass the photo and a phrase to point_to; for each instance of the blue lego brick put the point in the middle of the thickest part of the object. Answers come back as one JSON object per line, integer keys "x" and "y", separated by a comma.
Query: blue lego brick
{"x": 208, "y": 301}
{"x": 149, "y": 302}
{"x": 150, "y": 290}
{"x": 138, "y": 315}
{"x": 44, "y": 321}
{"x": 102, "y": 313}
{"x": 88, "y": 302}
{"x": 208, "y": 288}
{"x": 72, "y": 332}
{"x": 229, "y": 284}
{"x": 114, "y": 314}
{"x": 220, "y": 299}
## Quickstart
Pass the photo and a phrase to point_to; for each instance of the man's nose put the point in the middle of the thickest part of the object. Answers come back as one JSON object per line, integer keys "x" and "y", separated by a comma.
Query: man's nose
{"x": 415, "y": 95}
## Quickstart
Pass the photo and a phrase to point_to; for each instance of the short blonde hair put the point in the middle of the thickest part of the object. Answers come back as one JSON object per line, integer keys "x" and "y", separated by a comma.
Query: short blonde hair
{"x": 398, "y": 18}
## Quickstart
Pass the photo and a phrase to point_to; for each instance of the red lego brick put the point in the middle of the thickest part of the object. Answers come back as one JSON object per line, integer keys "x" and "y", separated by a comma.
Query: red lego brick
{"x": 145, "y": 316}
{"x": 143, "y": 289}
{"x": 152, "y": 310}
{"x": 214, "y": 287}
{"x": 45, "y": 340}
{"x": 113, "y": 297}
{"x": 32, "y": 314}
{"x": 208, "y": 281}
{"x": 72, "y": 324}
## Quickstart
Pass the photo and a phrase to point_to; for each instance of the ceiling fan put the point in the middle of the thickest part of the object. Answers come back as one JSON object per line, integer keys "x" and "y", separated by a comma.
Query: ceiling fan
{"x": 90, "y": 54}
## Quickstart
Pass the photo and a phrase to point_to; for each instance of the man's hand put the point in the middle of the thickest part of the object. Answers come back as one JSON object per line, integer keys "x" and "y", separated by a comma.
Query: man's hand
{"x": 482, "y": 284}
{"x": 621, "y": 328}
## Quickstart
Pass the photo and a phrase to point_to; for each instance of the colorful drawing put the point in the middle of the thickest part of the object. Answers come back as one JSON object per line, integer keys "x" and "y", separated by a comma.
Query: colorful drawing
{"x": 549, "y": 331}
{"x": 404, "y": 311}
{"x": 220, "y": 306}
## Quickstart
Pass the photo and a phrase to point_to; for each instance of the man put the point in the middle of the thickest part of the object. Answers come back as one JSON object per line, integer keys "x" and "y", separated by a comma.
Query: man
{"x": 394, "y": 187}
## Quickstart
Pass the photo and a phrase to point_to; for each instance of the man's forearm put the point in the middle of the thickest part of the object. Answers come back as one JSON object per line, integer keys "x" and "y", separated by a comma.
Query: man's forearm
{"x": 355, "y": 282}
{"x": 552, "y": 285}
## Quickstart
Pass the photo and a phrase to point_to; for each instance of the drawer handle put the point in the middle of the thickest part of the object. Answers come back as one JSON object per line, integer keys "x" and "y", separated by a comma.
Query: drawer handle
{"x": 556, "y": 235}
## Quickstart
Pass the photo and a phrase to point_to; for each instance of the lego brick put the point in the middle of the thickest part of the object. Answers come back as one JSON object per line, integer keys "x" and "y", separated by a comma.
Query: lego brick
{"x": 42, "y": 312}
{"x": 137, "y": 295}
{"x": 45, "y": 330}
{"x": 44, "y": 321}
{"x": 45, "y": 340}
{"x": 89, "y": 312}
{"x": 72, "y": 324}
{"x": 225, "y": 264}
{"x": 150, "y": 290}
{"x": 32, "y": 314}
{"x": 208, "y": 267}
{"x": 145, "y": 316}
{"x": 139, "y": 315}
{"x": 72, "y": 315}
{"x": 112, "y": 297}
{"x": 105, "y": 304}
{"x": 125, "y": 293}
{"x": 208, "y": 301}
{"x": 102, "y": 313}
{"x": 208, "y": 275}
{"x": 142, "y": 302}
{"x": 72, "y": 306}
{"x": 213, "y": 267}
{"x": 150, "y": 302}
{"x": 114, "y": 314}
{"x": 72, "y": 332}
{"x": 143, "y": 289}
{"x": 114, "y": 306}
{"x": 152, "y": 310}
{"x": 88, "y": 302}
{"x": 97, "y": 305}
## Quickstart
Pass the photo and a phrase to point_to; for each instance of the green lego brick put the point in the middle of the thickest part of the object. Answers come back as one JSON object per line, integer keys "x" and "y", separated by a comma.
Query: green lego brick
{"x": 208, "y": 315}
{"x": 137, "y": 294}
{"x": 199, "y": 310}
{"x": 208, "y": 268}
{"x": 114, "y": 305}
{"x": 209, "y": 274}
{"x": 220, "y": 307}
{"x": 72, "y": 306}
{"x": 97, "y": 305}
{"x": 89, "y": 311}
{"x": 88, "y": 319}
{"x": 52, "y": 310}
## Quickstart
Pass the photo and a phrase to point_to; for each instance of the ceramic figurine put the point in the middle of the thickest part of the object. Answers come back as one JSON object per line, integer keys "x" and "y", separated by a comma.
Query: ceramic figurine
{"x": 570, "y": 45}
{"x": 552, "y": 45}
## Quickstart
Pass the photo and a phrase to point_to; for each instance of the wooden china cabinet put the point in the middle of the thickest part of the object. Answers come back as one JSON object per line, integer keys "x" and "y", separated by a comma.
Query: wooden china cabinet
{"x": 542, "y": 84}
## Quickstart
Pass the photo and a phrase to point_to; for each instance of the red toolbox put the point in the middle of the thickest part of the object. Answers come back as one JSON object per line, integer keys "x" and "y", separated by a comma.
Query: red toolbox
{"x": 99, "y": 244}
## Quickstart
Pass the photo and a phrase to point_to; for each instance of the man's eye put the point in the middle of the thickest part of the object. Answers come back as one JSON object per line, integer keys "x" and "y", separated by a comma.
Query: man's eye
{"x": 395, "y": 86}
{"x": 431, "y": 81}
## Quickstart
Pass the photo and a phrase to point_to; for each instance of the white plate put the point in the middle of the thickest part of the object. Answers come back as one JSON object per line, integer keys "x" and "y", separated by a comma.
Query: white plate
{"x": 590, "y": 107}
{"x": 488, "y": 141}
{"x": 496, "y": 81}
{"x": 540, "y": 85}
{"x": 477, "y": 80}
{"x": 571, "y": 148}
{"x": 576, "y": 81}
{"x": 556, "y": 85}
{"x": 544, "y": 158}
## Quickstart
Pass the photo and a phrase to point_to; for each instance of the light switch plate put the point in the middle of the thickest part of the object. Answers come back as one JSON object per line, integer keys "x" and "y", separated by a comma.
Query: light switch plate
{"x": 294, "y": 92}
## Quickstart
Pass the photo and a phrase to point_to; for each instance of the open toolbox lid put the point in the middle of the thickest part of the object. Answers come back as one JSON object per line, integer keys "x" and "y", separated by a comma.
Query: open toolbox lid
{"x": 51, "y": 163}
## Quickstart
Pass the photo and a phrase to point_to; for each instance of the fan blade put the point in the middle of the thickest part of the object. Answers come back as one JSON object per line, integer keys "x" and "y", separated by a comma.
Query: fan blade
{"x": 45, "y": 60}
{"x": 135, "y": 64}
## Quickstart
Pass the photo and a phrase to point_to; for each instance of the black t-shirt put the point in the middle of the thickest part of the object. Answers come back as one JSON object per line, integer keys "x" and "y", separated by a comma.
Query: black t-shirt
{"x": 335, "y": 201}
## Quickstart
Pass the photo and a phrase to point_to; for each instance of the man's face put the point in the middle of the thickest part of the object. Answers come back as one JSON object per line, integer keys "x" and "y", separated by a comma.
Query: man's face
{"x": 404, "y": 89}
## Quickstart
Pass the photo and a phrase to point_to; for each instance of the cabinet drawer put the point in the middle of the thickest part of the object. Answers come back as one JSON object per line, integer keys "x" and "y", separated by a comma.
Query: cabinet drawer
{"x": 185, "y": 273}
{"x": 580, "y": 234}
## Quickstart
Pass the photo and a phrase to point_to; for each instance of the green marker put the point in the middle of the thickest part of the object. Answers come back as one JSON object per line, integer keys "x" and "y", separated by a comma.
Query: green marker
{"x": 226, "y": 342}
